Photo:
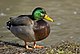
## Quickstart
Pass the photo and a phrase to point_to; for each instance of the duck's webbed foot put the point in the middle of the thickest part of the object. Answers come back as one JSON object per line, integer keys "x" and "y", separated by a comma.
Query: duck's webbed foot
{"x": 27, "y": 47}
{"x": 37, "y": 46}
{"x": 31, "y": 48}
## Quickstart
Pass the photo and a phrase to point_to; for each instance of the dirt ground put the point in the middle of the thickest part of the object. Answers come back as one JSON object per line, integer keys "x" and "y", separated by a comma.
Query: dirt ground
{"x": 59, "y": 48}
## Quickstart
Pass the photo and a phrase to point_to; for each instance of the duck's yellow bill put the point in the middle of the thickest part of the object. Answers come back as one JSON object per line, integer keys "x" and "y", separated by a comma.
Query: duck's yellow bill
{"x": 48, "y": 18}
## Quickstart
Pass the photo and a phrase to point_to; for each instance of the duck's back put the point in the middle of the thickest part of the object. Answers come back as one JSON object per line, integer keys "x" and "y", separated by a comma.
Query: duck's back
{"x": 21, "y": 20}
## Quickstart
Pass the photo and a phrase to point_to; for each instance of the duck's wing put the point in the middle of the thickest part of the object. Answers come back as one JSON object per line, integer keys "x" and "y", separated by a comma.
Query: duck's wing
{"x": 22, "y": 27}
{"x": 21, "y": 20}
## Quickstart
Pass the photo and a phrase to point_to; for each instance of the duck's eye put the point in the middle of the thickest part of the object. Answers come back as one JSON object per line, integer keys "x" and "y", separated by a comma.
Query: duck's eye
{"x": 42, "y": 14}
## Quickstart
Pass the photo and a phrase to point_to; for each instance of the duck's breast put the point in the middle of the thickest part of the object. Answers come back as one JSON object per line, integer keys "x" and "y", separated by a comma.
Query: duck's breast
{"x": 41, "y": 30}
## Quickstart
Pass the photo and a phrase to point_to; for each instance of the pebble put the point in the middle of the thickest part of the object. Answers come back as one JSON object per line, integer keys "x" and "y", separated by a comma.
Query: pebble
{"x": 71, "y": 37}
{"x": 58, "y": 24}
{"x": 22, "y": 53}
{"x": 2, "y": 14}
{"x": 75, "y": 12}
{"x": 7, "y": 9}
{"x": 62, "y": 40}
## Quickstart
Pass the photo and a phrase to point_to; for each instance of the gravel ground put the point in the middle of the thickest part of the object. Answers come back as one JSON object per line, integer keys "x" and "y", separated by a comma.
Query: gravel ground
{"x": 64, "y": 47}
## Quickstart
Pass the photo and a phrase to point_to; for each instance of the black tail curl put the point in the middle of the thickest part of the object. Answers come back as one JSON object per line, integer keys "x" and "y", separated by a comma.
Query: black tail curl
{"x": 8, "y": 24}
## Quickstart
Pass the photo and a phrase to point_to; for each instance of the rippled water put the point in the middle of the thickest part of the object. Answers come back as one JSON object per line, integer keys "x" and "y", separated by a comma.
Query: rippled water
{"x": 66, "y": 14}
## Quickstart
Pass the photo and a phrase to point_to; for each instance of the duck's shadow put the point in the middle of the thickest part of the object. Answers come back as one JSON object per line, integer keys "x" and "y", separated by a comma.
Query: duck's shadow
{"x": 12, "y": 44}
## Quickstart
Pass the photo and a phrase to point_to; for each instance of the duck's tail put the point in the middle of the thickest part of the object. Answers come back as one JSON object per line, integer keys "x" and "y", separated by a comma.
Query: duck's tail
{"x": 8, "y": 24}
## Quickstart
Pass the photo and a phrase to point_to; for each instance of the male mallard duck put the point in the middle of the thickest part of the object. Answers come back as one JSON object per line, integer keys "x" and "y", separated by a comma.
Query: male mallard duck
{"x": 31, "y": 28}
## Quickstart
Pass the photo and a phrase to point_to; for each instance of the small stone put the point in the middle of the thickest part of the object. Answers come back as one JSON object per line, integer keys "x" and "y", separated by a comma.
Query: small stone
{"x": 7, "y": 9}
{"x": 62, "y": 40}
{"x": 71, "y": 37}
{"x": 23, "y": 53}
{"x": 58, "y": 24}
{"x": 75, "y": 12}
{"x": 2, "y": 14}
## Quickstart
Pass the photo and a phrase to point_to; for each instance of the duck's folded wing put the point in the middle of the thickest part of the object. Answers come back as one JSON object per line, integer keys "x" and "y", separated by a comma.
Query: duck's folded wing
{"x": 21, "y": 20}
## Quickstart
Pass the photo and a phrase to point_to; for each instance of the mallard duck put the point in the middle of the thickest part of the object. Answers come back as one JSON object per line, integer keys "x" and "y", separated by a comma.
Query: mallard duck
{"x": 31, "y": 28}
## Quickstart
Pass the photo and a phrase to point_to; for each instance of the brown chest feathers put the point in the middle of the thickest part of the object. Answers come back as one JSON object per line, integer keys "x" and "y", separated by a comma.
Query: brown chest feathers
{"x": 41, "y": 30}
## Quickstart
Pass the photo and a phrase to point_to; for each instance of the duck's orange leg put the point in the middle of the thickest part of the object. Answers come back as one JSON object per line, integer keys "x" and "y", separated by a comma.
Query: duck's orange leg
{"x": 26, "y": 46}
{"x": 37, "y": 46}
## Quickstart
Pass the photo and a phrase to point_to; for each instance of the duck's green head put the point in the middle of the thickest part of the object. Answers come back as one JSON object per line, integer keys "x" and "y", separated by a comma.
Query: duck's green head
{"x": 39, "y": 13}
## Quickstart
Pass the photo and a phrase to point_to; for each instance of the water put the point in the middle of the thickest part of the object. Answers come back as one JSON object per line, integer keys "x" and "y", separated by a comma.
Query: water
{"x": 66, "y": 14}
